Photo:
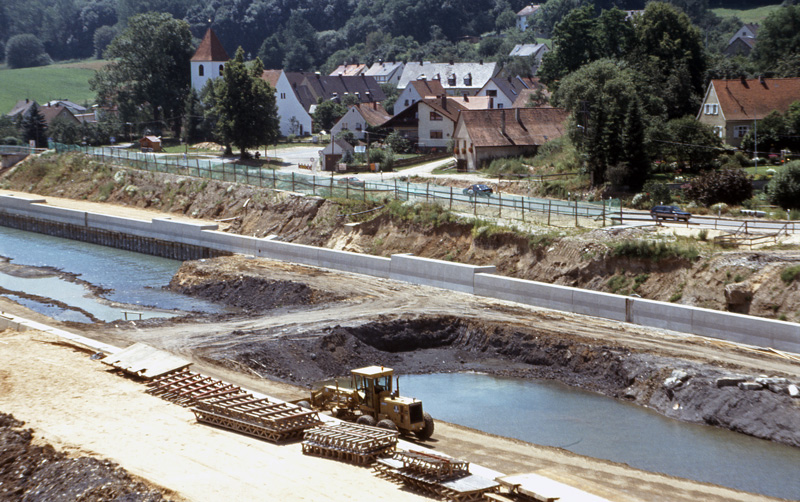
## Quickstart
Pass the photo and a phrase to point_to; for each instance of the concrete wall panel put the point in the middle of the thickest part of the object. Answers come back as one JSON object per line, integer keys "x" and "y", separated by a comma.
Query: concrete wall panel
{"x": 662, "y": 315}
{"x": 599, "y": 304}
{"x": 119, "y": 224}
{"x": 376, "y": 266}
{"x": 533, "y": 293}
{"x": 437, "y": 273}
{"x": 285, "y": 251}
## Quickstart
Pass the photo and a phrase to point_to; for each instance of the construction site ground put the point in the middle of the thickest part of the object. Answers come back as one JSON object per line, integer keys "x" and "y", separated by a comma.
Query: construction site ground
{"x": 322, "y": 324}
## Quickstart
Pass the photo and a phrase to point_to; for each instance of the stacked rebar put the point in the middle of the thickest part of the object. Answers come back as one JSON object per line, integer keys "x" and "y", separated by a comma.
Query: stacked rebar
{"x": 359, "y": 444}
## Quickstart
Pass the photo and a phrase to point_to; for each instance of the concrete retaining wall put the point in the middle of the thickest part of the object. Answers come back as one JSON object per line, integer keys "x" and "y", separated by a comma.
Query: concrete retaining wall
{"x": 438, "y": 273}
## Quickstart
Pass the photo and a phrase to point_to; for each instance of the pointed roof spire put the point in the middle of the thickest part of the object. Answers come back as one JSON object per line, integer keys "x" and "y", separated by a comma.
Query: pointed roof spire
{"x": 210, "y": 49}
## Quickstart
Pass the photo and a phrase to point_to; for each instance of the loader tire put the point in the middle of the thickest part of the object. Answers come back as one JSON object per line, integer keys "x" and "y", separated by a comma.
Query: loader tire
{"x": 387, "y": 424}
{"x": 304, "y": 404}
{"x": 366, "y": 420}
{"x": 427, "y": 431}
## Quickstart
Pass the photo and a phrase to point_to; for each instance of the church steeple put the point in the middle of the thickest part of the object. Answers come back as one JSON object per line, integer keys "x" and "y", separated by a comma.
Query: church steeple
{"x": 208, "y": 61}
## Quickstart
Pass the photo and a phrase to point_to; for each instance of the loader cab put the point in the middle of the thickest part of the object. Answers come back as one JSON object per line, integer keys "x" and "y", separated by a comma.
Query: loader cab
{"x": 373, "y": 383}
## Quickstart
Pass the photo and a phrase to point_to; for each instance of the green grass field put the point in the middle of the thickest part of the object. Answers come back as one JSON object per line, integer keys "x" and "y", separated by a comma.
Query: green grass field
{"x": 44, "y": 83}
{"x": 756, "y": 15}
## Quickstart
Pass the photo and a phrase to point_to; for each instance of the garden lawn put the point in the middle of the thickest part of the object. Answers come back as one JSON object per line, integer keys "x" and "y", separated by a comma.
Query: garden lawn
{"x": 44, "y": 83}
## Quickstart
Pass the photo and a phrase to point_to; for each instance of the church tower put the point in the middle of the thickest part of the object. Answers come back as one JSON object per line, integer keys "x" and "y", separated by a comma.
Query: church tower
{"x": 209, "y": 60}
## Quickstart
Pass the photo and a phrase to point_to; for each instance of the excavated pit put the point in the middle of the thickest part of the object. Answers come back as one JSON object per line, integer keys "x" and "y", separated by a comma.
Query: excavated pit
{"x": 677, "y": 388}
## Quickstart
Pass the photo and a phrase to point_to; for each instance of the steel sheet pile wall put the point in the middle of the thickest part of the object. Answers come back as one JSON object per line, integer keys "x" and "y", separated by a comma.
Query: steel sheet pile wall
{"x": 479, "y": 280}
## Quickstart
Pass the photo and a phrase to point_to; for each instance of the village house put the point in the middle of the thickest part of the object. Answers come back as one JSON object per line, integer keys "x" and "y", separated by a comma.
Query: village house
{"x": 526, "y": 15}
{"x": 51, "y": 113}
{"x": 21, "y": 107}
{"x": 743, "y": 42}
{"x": 359, "y": 117}
{"x": 429, "y": 123}
{"x": 72, "y": 107}
{"x": 386, "y": 72}
{"x": 533, "y": 51}
{"x": 333, "y": 153}
{"x": 732, "y": 107}
{"x": 482, "y": 135}
{"x": 505, "y": 91}
{"x": 417, "y": 91}
{"x": 457, "y": 79}
{"x": 297, "y": 95}
{"x": 208, "y": 61}
{"x": 150, "y": 144}
{"x": 349, "y": 70}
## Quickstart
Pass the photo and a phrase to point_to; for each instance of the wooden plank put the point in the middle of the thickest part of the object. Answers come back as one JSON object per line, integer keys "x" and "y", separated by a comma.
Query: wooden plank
{"x": 145, "y": 361}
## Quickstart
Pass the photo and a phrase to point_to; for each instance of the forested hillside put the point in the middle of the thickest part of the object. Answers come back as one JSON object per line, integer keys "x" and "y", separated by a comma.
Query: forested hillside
{"x": 316, "y": 34}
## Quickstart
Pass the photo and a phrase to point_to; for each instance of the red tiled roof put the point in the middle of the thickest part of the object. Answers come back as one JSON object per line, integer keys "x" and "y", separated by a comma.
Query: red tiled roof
{"x": 210, "y": 49}
{"x": 753, "y": 98}
{"x": 373, "y": 113}
{"x": 427, "y": 88}
{"x": 272, "y": 76}
{"x": 523, "y": 126}
{"x": 50, "y": 113}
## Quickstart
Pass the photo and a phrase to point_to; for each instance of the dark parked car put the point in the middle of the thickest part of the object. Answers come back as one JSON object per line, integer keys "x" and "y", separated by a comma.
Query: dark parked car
{"x": 669, "y": 213}
{"x": 478, "y": 190}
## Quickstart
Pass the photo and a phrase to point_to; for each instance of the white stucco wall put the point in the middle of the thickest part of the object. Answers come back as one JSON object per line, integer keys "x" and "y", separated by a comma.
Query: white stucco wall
{"x": 352, "y": 121}
{"x": 426, "y": 125}
{"x": 211, "y": 70}
{"x": 289, "y": 106}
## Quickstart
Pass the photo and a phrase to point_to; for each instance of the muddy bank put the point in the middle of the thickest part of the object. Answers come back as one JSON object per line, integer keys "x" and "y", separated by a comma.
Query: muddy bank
{"x": 244, "y": 287}
{"x": 37, "y": 473}
{"x": 680, "y": 389}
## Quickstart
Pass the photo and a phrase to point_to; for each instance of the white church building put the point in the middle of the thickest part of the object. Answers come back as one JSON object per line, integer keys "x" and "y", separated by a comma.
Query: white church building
{"x": 208, "y": 61}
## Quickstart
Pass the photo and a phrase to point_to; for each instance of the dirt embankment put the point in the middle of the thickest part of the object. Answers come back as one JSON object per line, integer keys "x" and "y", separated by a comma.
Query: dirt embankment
{"x": 37, "y": 473}
{"x": 744, "y": 282}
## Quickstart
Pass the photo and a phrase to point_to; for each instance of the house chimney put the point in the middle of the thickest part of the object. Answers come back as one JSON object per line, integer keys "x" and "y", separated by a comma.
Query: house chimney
{"x": 516, "y": 116}
{"x": 466, "y": 98}
{"x": 480, "y": 62}
{"x": 761, "y": 80}
{"x": 502, "y": 121}
{"x": 444, "y": 101}
{"x": 452, "y": 62}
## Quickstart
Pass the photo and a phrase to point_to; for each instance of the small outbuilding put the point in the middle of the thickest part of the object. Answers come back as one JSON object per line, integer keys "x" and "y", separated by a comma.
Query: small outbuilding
{"x": 150, "y": 144}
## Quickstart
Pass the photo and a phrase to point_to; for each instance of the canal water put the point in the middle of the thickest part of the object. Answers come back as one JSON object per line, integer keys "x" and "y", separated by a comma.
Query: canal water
{"x": 134, "y": 281}
{"x": 541, "y": 412}
{"x": 553, "y": 414}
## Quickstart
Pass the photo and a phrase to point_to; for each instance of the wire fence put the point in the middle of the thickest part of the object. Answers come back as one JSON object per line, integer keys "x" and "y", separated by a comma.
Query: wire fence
{"x": 500, "y": 205}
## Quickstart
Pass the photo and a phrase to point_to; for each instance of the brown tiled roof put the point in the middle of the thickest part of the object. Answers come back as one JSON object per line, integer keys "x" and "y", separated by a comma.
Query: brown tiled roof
{"x": 50, "y": 113}
{"x": 753, "y": 98}
{"x": 427, "y": 88}
{"x": 523, "y": 126}
{"x": 351, "y": 70}
{"x": 373, "y": 113}
{"x": 272, "y": 76}
{"x": 445, "y": 106}
{"x": 21, "y": 107}
{"x": 471, "y": 102}
{"x": 210, "y": 49}
{"x": 309, "y": 87}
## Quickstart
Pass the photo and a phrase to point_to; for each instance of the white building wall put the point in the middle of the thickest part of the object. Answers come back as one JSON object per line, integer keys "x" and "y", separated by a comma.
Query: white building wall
{"x": 289, "y": 106}
{"x": 427, "y": 126}
{"x": 352, "y": 121}
{"x": 500, "y": 99}
{"x": 408, "y": 97}
{"x": 210, "y": 70}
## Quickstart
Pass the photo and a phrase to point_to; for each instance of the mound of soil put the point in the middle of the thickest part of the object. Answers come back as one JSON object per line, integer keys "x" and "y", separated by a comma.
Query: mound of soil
{"x": 677, "y": 388}
{"x": 42, "y": 474}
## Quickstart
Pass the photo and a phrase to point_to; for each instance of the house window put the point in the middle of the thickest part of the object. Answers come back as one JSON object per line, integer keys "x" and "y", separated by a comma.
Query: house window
{"x": 492, "y": 93}
{"x": 719, "y": 131}
{"x": 221, "y": 67}
{"x": 435, "y": 116}
{"x": 200, "y": 70}
{"x": 499, "y": 105}
{"x": 436, "y": 135}
{"x": 451, "y": 80}
{"x": 712, "y": 109}
{"x": 468, "y": 79}
{"x": 740, "y": 130}
{"x": 344, "y": 126}
{"x": 406, "y": 102}
{"x": 283, "y": 95}
{"x": 358, "y": 126}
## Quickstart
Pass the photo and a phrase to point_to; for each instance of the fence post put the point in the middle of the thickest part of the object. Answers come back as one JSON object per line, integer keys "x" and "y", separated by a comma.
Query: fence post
{"x": 604, "y": 213}
{"x": 331, "y": 185}
{"x": 364, "y": 188}
{"x": 427, "y": 189}
{"x": 313, "y": 184}
{"x": 274, "y": 182}
{"x": 500, "y": 204}
{"x": 451, "y": 198}
{"x": 346, "y": 189}
{"x": 522, "y": 204}
{"x": 292, "y": 181}
{"x": 549, "y": 207}
{"x": 576, "y": 213}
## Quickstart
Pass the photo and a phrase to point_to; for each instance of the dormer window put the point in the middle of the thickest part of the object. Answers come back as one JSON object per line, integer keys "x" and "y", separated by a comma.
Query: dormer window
{"x": 451, "y": 80}
{"x": 201, "y": 71}
{"x": 468, "y": 79}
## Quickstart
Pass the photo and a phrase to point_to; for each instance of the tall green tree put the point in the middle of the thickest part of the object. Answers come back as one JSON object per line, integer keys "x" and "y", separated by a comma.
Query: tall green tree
{"x": 34, "y": 127}
{"x": 574, "y": 44}
{"x": 778, "y": 38}
{"x": 689, "y": 142}
{"x": 245, "y": 105}
{"x": 608, "y": 121}
{"x": 669, "y": 51}
{"x": 150, "y": 66}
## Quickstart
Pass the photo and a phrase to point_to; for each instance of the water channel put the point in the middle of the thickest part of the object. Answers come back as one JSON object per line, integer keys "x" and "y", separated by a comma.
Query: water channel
{"x": 553, "y": 414}
{"x": 541, "y": 412}
{"x": 134, "y": 282}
